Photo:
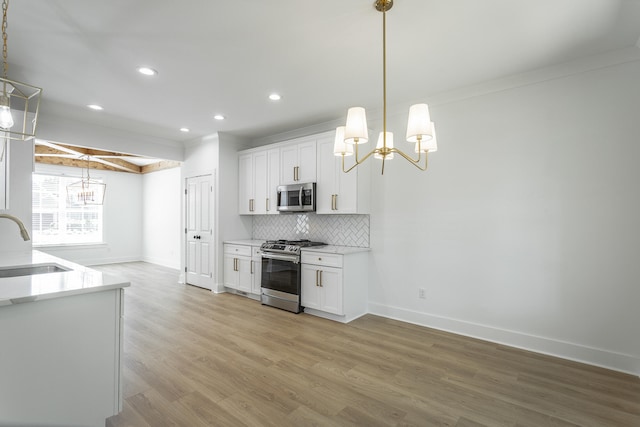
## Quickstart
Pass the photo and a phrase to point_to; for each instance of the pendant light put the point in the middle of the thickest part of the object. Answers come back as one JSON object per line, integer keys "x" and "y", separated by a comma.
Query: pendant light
{"x": 86, "y": 191}
{"x": 420, "y": 128}
{"x": 19, "y": 102}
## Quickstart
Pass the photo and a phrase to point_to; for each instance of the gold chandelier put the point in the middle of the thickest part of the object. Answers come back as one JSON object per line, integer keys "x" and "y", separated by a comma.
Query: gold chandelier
{"x": 19, "y": 102}
{"x": 420, "y": 129}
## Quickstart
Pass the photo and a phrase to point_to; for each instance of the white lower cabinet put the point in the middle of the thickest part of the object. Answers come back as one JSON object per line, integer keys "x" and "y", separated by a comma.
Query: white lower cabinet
{"x": 237, "y": 267}
{"x": 242, "y": 268}
{"x": 334, "y": 286}
{"x": 322, "y": 288}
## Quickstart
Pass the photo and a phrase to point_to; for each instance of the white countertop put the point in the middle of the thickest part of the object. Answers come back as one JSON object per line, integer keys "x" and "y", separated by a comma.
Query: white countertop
{"x": 330, "y": 249}
{"x": 245, "y": 242}
{"x": 79, "y": 280}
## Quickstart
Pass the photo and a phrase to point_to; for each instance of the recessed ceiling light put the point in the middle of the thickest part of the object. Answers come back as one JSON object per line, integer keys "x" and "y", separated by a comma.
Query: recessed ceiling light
{"x": 218, "y": 117}
{"x": 95, "y": 107}
{"x": 275, "y": 97}
{"x": 147, "y": 71}
{"x": 184, "y": 129}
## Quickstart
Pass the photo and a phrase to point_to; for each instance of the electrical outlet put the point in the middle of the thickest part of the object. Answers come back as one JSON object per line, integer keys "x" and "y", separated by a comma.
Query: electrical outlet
{"x": 422, "y": 293}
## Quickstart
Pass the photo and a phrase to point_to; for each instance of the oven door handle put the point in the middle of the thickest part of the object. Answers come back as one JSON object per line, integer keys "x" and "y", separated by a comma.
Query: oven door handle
{"x": 293, "y": 259}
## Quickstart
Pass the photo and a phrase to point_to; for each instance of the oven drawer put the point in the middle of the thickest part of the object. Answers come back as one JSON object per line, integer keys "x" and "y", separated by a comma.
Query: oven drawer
{"x": 240, "y": 250}
{"x": 319, "y": 258}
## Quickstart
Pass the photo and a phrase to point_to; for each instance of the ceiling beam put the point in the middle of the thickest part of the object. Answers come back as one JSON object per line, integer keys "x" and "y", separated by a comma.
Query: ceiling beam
{"x": 165, "y": 164}
{"x": 66, "y": 155}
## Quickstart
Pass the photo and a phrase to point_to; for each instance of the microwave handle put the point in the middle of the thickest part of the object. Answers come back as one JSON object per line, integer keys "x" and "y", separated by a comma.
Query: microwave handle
{"x": 300, "y": 197}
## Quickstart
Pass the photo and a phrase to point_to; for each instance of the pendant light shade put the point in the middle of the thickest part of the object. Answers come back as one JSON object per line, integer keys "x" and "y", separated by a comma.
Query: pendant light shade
{"x": 381, "y": 151}
{"x": 356, "y": 129}
{"x": 419, "y": 124}
{"x": 340, "y": 148}
{"x": 430, "y": 145}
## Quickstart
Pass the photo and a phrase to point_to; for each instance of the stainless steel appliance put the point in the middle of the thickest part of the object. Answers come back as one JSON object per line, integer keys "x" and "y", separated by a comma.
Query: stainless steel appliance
{"x": 281, "y": 273}
{"x": 297, "y": 197}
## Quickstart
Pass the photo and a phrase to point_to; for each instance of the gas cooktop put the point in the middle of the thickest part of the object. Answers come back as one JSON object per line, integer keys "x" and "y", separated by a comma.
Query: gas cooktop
{"x": 290, "y": 246}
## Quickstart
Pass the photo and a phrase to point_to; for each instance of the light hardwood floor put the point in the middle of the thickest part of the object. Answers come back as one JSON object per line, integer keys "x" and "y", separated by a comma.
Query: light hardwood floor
{"x": 194, "y": 358}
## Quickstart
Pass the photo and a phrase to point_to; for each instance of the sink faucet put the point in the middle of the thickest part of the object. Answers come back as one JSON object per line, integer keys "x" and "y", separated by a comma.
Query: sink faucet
{"x": 23, "y": 231}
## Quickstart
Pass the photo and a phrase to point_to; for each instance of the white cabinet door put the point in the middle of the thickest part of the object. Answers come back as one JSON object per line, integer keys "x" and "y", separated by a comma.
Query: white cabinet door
{"x": 307, "y": 162}
{"x": 330, "y": 284}
{"x": 245, "y": 278}
{"x": 260, "y": 182}
{"x": 4, "y": 174}
{"x": 310, "y": 289}
{"x": 230, "y": 273}
{"x": 256, "y": 270}
{"x": 273, "y": 178}
{"x": 245, "y": 184}
{"x": 326, "y": 168}
{"x": 288, "y": 164}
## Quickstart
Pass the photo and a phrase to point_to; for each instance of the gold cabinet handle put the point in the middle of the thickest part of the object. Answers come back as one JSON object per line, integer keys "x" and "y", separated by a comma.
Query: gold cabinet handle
{"x": 317, "y": 275}
{"x": 335, "y": 202}
{"x": 252, "y": 266}
{"x": 320, "y": 278}
{"x": 267, "y": 205}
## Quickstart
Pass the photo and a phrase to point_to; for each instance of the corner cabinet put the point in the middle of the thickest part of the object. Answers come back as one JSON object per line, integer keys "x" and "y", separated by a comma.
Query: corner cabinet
{"x": 338, "y": 192}
{"x": 334, "y": 285}
{"x": 258, "y": 178}
{"x": 298, "y": 161}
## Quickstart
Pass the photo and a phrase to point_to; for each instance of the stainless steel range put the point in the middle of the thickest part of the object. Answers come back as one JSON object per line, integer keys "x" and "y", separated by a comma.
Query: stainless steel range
{"x": 281, "y": 273}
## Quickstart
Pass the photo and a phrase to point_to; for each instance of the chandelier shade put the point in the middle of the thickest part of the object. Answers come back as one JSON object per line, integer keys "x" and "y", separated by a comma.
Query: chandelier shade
{"x": 356, "y": 131}
{"x": 384, "y": 143}
{"x": 419, "y": 125}
{"x": 341, "y": 148}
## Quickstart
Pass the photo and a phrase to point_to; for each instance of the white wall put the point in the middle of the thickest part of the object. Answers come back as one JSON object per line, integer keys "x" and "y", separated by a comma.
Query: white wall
{"x": 122, "y": 219}
{"x": 161, "y": 201}
{"x": 20, "y": 167}
{"x": 525, "y": 228}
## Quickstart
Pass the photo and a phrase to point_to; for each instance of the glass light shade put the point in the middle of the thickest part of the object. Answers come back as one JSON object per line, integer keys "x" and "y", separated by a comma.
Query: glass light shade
{"x": 355, "y": 131}
{"x": 339, "y": 146}
{"x": 419, "y": 123}
{"x": 381, "y": 144}
{"x": 6, "y": 120}
{"x": 430, "y": 145}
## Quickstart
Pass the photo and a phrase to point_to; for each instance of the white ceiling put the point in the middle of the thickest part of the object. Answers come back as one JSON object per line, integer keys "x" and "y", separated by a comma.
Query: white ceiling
{"x": 322, "y": 56}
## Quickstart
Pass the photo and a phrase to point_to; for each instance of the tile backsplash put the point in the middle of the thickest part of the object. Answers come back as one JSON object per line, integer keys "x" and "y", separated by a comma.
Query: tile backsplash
{"x": 341, "y": 230}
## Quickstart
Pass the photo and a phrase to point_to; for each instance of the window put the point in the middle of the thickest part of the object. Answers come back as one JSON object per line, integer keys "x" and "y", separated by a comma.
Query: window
{"x": 55, "y": 223}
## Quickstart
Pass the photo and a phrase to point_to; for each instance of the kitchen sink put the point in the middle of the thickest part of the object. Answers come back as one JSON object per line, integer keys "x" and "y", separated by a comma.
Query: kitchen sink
{"x": 30, "y": 270}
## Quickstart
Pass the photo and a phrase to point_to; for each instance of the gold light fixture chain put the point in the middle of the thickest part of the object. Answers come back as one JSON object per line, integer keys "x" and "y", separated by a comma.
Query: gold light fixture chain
{"x": 5, "y": 6}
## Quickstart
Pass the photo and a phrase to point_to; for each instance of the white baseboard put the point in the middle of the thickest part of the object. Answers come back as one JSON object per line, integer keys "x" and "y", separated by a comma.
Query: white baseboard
{"x": 103, "y": 261}
{"x": 593, "y": 356}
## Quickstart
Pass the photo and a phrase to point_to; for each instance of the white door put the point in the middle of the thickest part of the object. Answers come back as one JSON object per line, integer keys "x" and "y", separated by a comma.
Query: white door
{"x": 199, "y": 231}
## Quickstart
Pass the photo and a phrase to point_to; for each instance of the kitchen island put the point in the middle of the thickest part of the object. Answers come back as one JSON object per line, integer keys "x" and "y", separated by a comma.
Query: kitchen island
{"x": 60, "y": 342}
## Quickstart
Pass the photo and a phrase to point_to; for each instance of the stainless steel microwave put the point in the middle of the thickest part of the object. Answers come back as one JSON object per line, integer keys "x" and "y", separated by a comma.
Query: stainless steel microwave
{"x": 297, "y": 197}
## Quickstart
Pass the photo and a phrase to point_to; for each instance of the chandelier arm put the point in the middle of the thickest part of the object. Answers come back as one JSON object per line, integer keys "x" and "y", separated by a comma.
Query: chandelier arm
{"x": 358, "y": 161}
{"x": 414, "y": 162}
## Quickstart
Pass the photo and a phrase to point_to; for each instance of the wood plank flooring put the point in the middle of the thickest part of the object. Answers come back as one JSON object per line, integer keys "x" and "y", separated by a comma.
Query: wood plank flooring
{"x": 194, "y": 358}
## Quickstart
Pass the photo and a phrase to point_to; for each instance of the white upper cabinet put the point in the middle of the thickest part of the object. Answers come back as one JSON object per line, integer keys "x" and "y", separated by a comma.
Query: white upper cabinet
{"x": 338, "y": 192}
{"x": 257, "y": 181}
{"x": 298, "y": 162}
